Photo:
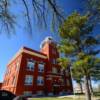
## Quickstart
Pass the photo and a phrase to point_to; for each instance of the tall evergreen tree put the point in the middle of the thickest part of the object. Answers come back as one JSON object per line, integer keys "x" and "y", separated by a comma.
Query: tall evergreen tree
{"x": 78, "y": 43}
{"x": 78, "y": 78}
{"x": 92, "y": 7}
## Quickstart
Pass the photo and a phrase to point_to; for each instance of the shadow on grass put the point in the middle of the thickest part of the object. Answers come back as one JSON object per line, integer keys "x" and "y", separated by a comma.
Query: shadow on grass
{"x": 97, "y": 94}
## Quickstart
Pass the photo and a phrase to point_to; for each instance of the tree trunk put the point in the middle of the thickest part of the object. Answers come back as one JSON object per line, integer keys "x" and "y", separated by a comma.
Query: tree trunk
{"x": 80, "y": 86}
{"x": 90, "y": 84}
{"x": 87, "y": 90}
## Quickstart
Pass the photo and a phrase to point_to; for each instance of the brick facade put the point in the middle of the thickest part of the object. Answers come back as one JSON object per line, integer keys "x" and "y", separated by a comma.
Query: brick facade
{"x": 37, "y": 73}
{"x": 0, "y": 85}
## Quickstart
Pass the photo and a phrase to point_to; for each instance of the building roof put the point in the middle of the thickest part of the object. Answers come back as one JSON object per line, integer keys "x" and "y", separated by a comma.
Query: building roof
{"x": 30, "y": 52}
{"x": 26, "y": 48}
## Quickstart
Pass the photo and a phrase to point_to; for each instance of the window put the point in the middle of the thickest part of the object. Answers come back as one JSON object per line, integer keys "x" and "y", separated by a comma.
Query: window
{"x": 62, "y": 71}
{"x": 62, "y": 81}
{"x": 54, "y": 51}
{"x": 13, "y": 66}
{"x": 17, "y": 66}
{"x": 30, "y": 65}
{"x": 39, "y": 92}
{"x": 7, "y": 71}
{"x": 27, "y": 93}
{"x": 28, "y": 80}
{"x": 8, "y": 81}
{"x": 14, "y": 80}
{"x": 40, "y": 80}
{"x": 41, "y": 67}
{"x": 54, "y": 70}
{"x": 67, "y": 73}
{"x": 68, "y": 82}
{"x": 54, "y": 61}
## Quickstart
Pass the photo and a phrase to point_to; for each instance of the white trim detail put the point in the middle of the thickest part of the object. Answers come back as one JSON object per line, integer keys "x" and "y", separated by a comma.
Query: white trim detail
{"x": 53, "y": 76}
{"x": 34, "y": 53}
{"x": 22, "y": 50}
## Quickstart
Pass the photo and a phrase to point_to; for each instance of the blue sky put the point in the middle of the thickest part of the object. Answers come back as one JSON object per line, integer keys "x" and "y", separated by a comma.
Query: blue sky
{"x": 10, "y": 45}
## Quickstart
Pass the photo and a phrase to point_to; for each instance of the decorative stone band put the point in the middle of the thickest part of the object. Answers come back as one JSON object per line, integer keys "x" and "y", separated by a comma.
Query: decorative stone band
{"x": 56, "y": 85}
{"x": 50, "y": 76}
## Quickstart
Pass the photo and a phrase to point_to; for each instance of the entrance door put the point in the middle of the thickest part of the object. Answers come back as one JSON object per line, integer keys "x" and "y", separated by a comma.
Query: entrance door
{"x": 55, "y": 90}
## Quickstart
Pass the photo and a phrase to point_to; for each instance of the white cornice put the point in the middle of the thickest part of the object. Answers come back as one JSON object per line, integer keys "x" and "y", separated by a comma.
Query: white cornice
{"x": 34, "y": 53}
{"x": 22, "y": 50}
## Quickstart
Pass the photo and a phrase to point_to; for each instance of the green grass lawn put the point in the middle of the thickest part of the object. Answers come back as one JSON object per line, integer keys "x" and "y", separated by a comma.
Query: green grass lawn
{"x": 54, "y": 98}
{"x": 78, "y": 97}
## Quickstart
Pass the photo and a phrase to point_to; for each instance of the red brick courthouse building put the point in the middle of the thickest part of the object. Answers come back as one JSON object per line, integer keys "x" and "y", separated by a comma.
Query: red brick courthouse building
{"x": 37, "y": 73}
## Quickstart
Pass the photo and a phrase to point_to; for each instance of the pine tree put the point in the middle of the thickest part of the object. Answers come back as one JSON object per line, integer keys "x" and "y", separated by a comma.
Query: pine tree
{"x": 78, "y": 43}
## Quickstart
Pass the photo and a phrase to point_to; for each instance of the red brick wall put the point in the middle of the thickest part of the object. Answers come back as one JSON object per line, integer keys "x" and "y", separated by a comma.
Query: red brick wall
{"x": 13, "y": 72}
{"x": 0, "y": 85}
{"x": 19, "y": 87}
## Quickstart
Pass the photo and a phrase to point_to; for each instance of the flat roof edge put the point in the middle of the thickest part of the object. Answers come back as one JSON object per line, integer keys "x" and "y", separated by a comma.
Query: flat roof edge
{"x": 28, "y": 51}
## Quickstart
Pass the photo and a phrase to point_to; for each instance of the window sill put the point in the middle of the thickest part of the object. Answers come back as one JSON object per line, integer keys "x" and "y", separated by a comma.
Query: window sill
{"x": 28, "y": 84}
{"x": 30, "y": 70}
{"x": 41, "y": 71}
{"x": 40, "y": 84}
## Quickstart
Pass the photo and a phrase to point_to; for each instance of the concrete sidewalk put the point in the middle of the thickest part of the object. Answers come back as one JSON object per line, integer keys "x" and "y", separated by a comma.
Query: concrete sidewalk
{"x": 78, "y": 97}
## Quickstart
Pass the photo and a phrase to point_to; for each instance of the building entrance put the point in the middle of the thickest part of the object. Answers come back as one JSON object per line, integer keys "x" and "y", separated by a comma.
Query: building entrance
{"x": 55, "y": 90}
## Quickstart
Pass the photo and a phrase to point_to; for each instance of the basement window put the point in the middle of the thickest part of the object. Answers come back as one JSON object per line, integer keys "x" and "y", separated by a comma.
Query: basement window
{"x": 27, "y": 93}
{"x": 40, "y": 93}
